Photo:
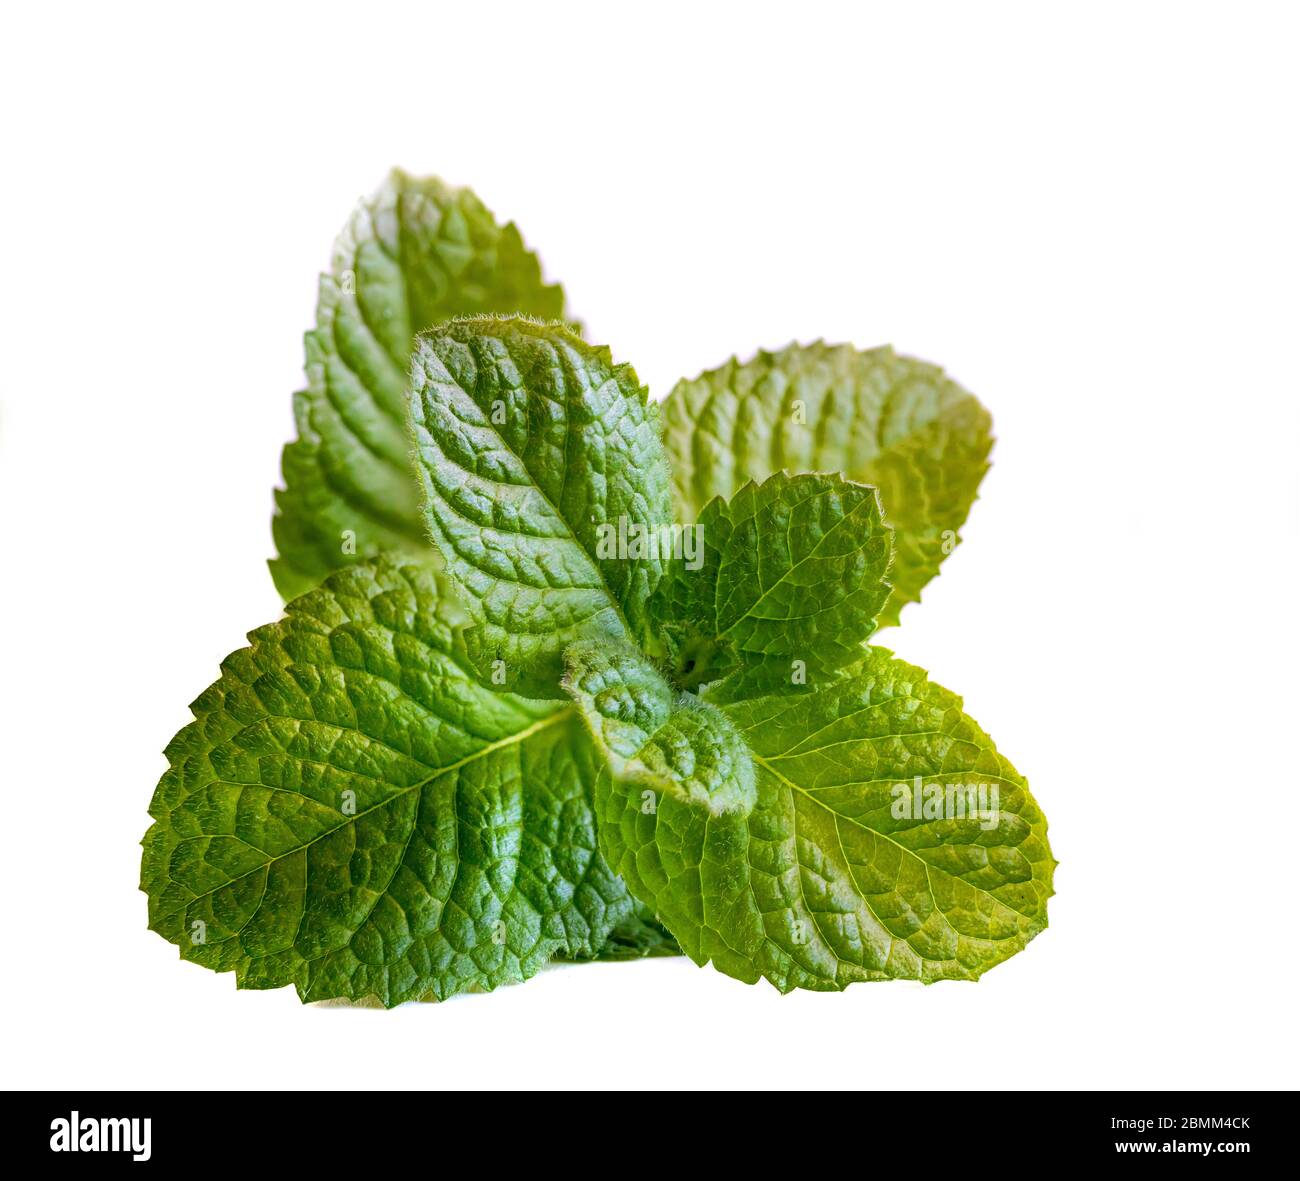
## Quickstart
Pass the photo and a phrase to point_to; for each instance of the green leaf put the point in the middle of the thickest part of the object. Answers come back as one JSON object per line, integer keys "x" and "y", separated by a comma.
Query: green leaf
{"x": 789, "y": 576}
{"x": 656, "y": 739}
{"x": 885, "y": 420}
{"x": 352, "y": 814}
{"x": 825, "y": 881}
{"x": 416, "y": 253}
{"x": 545, "y": 487}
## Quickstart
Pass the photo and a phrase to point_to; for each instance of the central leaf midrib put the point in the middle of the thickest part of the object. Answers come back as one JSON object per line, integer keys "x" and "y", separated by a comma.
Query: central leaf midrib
{"x": 886, "y": 837}
{"x": 751, "y": 611}
{"x": 614, "y": 600}
{"x": 510, "y": 740}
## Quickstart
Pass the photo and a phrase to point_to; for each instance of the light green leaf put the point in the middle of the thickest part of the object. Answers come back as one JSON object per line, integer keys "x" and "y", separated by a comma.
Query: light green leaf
{"x": 834, "y": 876}
{"x": 416, "y": 253}
{"x": 885, "y": 420}
{"x": 655, "y": 739}
{"x": 352, "y": 814}
{"x": 544, "y": 482}
{"x": 789, "y": 576}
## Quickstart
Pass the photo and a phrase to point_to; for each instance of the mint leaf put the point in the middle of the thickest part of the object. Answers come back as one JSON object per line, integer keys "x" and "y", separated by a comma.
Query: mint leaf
{"x": 788, "y": 574}
{"x": 888, "y": 838}
{"x": 655, "y": 738}
{"x": 352, "y": 814}
{"x": 890, "y": 421}
{"x": 414, "y": 254}
{"x": 545, "y": 489}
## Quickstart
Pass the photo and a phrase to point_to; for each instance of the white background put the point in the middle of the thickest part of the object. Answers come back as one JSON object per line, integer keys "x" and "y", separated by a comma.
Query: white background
{"x": 1088, "y": 214}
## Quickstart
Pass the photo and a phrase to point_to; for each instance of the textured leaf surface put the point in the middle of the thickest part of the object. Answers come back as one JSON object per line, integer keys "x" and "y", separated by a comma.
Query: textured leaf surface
{"x": 885, "y": 420}
{"x": 416, "y": 253}
{"x": 352, "y": 814}
{"x": 822, "y": 883}
{"x": 640, "y": 937}
{"x": 655, "y": 737}
{"x": 531, "y": 446}
{"x": 791, "y": 576}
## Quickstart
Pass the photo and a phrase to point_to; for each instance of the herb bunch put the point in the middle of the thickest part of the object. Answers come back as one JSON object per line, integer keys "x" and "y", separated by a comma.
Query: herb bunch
{"x": 565, "y": 672}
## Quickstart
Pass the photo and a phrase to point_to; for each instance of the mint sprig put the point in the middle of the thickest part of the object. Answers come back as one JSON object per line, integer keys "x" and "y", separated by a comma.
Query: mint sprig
{"x": 585, "y": 678}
